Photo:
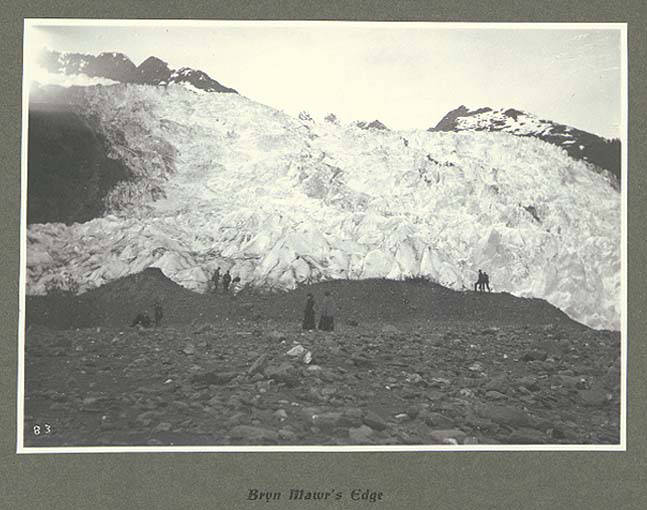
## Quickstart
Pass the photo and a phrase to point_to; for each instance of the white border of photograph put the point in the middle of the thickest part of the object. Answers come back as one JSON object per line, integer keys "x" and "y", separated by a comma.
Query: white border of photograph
{"x": 35, "y": 22}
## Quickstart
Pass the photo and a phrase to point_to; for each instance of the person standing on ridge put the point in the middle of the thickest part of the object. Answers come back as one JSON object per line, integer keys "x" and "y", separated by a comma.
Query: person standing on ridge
{"x": 309, "y": 314}
{"x": 142, "y": 320}
{"x": 226, "y": 280}
{"x": 215, "y": 279}
{"x": 486, "y": 282}
{"x": 478, "y": 286}
{"x": 158, "y": 313}
{"x": 327, "y": 319}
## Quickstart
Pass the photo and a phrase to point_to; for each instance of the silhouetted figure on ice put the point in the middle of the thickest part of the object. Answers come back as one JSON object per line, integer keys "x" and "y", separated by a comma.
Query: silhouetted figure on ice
{"x": 158, "y": 313}
{"x": 482, "y": 283}
{"x": 478, "y": 286}
{"x": 309, "y": 314}
{"x": 226, "y": 280}
{"x": 216, "y": 279}
{"x": 486, "y": 282}
{"x": 327, "y": 319}
{"x": 142, "y": 320}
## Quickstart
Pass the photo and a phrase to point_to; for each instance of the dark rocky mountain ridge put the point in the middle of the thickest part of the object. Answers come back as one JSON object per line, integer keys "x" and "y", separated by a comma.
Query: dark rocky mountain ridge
{"x": 118, "y": 67}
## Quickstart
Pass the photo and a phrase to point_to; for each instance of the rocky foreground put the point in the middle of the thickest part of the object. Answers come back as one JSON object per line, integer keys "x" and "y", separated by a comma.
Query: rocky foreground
{"x": 264, "y": 382}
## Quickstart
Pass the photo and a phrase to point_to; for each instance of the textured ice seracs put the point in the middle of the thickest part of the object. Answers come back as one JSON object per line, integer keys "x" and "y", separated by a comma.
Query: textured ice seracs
{"x": 282, "y": 201}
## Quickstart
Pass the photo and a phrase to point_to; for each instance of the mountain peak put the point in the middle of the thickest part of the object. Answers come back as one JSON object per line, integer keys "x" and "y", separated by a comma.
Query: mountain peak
{"x": 113, "y": 54}
{"x": 153, "y": 59}
{"x": 153, "y": 71}
{"x": 580, "y": 145}
{"x": 376, "y": 124}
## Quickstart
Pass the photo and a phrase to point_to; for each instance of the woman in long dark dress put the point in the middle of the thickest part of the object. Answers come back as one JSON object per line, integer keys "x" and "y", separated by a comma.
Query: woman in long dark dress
{"x": 327, "y": 319}
{"x": 309, "y": 314}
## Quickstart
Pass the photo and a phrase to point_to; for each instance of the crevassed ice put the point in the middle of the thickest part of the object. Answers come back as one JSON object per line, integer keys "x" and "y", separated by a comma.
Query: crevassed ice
{"x": 283, "y": 202}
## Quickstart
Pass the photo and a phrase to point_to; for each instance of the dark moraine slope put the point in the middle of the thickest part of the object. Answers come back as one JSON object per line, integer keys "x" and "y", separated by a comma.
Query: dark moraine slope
{"x": 410, "y": 362}
{"x": 364, "y": 301}
{"x": 69, "y": 173}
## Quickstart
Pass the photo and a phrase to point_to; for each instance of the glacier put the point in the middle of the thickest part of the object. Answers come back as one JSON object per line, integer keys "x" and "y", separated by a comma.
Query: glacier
{"x": 284, "y": 201}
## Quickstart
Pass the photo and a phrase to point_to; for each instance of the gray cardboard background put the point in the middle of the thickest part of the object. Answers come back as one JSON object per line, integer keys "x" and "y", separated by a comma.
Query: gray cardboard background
{"x": 501, "y": 480}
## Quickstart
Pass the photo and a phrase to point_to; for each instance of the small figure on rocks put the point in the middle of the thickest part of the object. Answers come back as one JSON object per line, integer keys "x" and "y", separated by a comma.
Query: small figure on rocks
{"x": 486, "y": 282}
{"x": 142, "y": 320}
{"x": 158, "y": 313}
{"x": 327, "y": 319}
{"x": 215, "y": 279}
{"x": 309, "y": 314}
{"x": 226, "y": 280}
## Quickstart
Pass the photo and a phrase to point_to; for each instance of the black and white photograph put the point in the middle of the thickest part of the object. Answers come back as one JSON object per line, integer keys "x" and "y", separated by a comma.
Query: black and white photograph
{"x": 322, "y": 236}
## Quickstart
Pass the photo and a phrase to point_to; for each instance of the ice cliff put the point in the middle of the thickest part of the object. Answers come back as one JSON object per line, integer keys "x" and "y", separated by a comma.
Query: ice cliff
{"x": 219, "y": 180}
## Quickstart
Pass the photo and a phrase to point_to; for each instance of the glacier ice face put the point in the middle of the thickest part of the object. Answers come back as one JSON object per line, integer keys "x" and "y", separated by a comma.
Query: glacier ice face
{"x": 283, "y": 201}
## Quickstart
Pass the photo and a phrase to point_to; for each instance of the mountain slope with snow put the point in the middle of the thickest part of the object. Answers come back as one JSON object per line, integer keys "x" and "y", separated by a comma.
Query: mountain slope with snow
{"x": 283, "y": 201}
{"x": 578, "y": 144}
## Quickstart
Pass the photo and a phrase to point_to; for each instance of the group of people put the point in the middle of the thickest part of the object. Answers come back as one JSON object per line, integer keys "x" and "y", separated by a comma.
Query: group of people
{"x": 227, "y": 280}
{"x": 482, "y": 283}
{"x": 327, "y": 317}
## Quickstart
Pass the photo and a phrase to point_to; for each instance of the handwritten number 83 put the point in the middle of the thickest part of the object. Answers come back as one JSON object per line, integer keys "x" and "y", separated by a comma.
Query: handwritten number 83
{"x": 45, "y": 429}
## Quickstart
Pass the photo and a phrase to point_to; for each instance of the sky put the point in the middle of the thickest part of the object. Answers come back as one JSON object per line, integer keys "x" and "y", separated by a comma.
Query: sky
{"x": 406, "y": 75}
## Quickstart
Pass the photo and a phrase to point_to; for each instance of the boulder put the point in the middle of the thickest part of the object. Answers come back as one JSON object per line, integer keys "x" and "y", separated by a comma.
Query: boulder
{"x": 437, "y": 420}
{"x": 204, "y": 328}
{"x": 277, "y": 335}
{"x": 374, "y": 421}
{"x": 593, "y": 398}
{"x": 285, "y": 372}
{"x": 534, "y": 355}
{"x": 280, "y": 414}
{"x": 389, "y": 329}
{"x": 162, "y": 427}
{"x": 353, "y": 416}
{"x": 568, "y": 381}
{"x": 257, "y": 366}
{"x": 296, "y": 351}
{"x": 327, "y": 421}
{"x": 215, "y": 377}
{"x": 254, "y": 434}
{"x": 526, "y": 436}
{"x": 495, "y": 395}
{"x": 287, "y": 434}
{"x": 360, "y": 434}
{"x": 451, "y": 436}
{"x": 529, "y": 382}
{"x": 499, "y": 384}
{"x": 477, "y": 366}
{"x": 505, "y": 415}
